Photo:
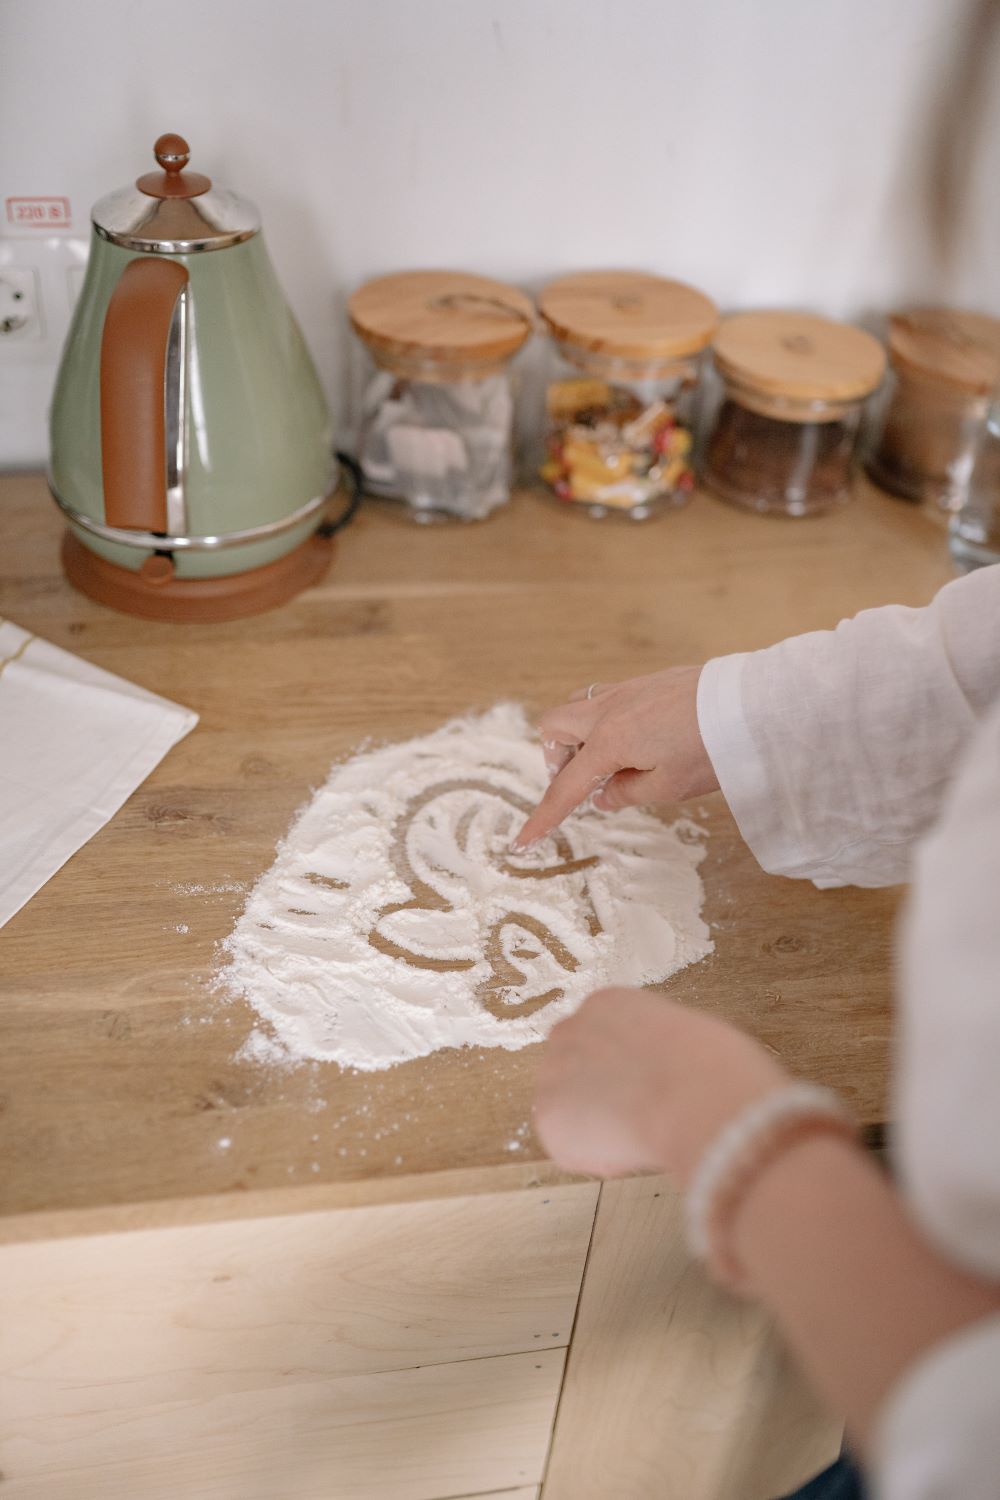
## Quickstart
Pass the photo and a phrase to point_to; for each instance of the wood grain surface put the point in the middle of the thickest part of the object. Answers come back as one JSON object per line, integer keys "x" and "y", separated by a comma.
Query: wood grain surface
{"x": 428, "y": 1433}
{"x": 675, "y": 1390}
{"x": 118, "y": 1067}
{"x": 390, "y": 1340}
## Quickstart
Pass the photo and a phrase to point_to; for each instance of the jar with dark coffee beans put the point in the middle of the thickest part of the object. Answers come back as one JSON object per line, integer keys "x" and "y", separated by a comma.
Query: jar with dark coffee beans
{"x": 794, "y": 387}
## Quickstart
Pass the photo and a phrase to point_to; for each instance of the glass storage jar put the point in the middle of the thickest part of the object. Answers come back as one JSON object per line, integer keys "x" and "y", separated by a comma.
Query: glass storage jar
{"x": 944, "y": 366}
{"x": 436, "y": 421}
{"x": 620, "y": 407}
{"x": 784, "y": 435}
{"x": 974, "y": 532}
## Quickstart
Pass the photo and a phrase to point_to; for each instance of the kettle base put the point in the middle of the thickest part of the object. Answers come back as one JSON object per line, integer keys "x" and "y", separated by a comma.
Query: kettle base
{"x": 156, "y": 593}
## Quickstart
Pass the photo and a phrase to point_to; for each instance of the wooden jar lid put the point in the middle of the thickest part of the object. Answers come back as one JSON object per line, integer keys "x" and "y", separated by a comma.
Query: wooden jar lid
{"x": 628, "y": 314}
{"x": 960, "y": 349}
{"x": 448, "y": 319}
{"x": 798, "y": 357}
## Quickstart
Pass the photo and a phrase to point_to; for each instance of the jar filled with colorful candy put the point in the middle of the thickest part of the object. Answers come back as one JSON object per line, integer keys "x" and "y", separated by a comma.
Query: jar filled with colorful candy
{"x": 622, "y": 398}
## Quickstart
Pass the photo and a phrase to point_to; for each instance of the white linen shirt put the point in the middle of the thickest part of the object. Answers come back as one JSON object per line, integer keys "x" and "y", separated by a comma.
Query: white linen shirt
{"x": 868, "y": 755}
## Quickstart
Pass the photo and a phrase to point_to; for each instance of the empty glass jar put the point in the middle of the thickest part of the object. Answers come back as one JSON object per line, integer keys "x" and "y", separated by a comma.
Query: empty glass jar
{"x": 974, "y": 536}
{"x": 944, "y": 368}
{"x": 794, "y": 386}
{"x": 621, "y": 400}
{"x": 436, "y": 419}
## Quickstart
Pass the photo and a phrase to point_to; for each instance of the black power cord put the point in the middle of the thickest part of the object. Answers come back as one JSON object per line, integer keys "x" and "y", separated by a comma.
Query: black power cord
{"x": 355, "y": 483}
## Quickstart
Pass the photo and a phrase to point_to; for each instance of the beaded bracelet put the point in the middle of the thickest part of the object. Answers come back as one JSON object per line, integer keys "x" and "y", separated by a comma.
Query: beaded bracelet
{"x": 737, "y": 1157}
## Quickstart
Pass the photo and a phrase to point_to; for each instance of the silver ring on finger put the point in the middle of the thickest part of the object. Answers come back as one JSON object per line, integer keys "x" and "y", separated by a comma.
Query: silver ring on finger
{"x": 591, "y": 690}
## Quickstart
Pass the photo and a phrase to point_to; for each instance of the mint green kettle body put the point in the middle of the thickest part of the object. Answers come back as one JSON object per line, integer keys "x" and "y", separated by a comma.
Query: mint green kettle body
{"x": 191, "y": 443}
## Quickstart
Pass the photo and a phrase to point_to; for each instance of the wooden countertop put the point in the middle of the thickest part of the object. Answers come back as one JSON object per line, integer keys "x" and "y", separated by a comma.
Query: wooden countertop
{"x": 118, "y": 1078}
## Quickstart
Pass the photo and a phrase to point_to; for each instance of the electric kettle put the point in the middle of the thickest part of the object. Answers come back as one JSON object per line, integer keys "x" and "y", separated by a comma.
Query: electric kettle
{"x": 191, "y": 444}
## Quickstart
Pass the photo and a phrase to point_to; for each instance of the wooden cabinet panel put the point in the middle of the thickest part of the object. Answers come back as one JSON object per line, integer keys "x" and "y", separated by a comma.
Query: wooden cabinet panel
{"x": 465, "y": 1428}
{"x": 120, "y": 1350}
{"x": 330, "y": 1292}
{"x": 674, "y": 1390}
{"x": 531, "y": 1493}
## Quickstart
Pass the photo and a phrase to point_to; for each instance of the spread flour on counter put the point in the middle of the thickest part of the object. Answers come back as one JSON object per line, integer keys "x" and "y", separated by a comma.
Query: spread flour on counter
{"x": 395, "y": 920}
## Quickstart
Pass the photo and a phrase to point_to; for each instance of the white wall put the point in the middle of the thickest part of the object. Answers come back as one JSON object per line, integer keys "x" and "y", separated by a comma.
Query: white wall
{"x": 772, "y": 151}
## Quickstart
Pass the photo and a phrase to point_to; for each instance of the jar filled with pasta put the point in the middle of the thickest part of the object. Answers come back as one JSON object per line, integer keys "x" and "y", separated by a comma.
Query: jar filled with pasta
{"x": 620, "y": 406}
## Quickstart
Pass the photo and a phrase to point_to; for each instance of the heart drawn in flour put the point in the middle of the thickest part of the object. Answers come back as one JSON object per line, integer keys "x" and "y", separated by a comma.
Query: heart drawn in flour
{"x": 447, "y": 832}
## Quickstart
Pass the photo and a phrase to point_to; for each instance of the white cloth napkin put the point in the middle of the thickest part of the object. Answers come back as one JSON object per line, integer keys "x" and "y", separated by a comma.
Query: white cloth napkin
{"x": 75, "y": 742}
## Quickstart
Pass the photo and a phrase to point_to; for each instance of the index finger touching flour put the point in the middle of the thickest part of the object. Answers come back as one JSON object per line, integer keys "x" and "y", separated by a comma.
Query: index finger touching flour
{"x": 564, "y": 731}
{"x": 578, "y": 779}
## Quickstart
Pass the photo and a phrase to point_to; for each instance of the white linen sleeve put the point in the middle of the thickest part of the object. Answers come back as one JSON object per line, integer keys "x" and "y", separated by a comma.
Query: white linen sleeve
{"x": 946, "y": 1073}
{"x": 833, "y": 749}
{"x": 938, "y": 1437}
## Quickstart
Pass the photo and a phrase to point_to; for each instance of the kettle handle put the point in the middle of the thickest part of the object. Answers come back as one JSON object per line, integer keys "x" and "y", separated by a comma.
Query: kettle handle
{"x": 133, "y": 391}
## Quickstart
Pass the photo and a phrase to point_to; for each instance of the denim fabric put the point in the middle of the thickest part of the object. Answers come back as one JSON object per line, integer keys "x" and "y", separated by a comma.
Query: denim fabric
{"x": 841, "y": 1481}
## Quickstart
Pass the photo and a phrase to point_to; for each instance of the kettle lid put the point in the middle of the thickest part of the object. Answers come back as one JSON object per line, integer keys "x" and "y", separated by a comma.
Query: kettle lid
{"x": 174, "y": 212}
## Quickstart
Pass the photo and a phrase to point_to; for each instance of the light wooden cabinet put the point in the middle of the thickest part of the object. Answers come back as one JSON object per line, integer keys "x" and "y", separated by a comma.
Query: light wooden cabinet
{"x": 675, "y": 1390}
{"x": 405, "y": 1352}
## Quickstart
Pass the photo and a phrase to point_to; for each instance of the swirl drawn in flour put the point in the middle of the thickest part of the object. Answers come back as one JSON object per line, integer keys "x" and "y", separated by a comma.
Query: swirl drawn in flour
{"x": 513, "y": 939}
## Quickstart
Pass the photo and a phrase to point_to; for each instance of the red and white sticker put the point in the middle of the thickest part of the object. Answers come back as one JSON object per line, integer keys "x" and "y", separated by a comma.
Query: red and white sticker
{"x": 39, "y": 213}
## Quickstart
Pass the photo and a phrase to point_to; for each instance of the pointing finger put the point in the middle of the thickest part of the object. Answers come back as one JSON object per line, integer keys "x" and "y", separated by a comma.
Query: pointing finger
{"x": 573, "y": 785}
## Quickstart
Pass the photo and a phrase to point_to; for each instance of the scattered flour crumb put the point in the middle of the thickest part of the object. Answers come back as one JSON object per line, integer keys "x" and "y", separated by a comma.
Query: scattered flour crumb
{"x": 224, "y": 1142}
{"x": 182, "y": 927}
{"x": 261, "y": 1048}
{"x": 222, "y": 887}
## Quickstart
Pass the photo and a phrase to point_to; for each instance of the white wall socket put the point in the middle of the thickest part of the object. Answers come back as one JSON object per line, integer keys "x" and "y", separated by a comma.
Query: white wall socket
{"x": 20, "y": 312}
{"x": 40, "y": 281}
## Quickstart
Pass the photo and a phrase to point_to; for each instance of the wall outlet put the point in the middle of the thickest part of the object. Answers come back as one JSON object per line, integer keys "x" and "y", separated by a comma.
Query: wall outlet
{"x": 40, "y": 281}
{"x": 20, "y": 312}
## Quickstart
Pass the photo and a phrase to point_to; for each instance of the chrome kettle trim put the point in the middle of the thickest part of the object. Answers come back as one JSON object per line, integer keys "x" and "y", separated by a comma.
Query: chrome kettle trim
{"x": 174, "y": 247}
{"x": 175, "y": 402}
{"x": 157, "y": 542}
{"x": 175, "y": 226}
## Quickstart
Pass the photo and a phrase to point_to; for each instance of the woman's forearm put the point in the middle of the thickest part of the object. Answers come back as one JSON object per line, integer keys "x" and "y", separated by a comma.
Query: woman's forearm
{"x": 860, "y": 1294}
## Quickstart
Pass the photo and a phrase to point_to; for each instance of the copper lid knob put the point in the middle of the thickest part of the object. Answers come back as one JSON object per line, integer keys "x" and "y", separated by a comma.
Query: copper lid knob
{"x": 173, "y": 154}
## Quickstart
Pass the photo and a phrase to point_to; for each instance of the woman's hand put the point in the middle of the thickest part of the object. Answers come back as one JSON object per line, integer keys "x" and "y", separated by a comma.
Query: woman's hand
{"x": 628, "y": 744}
{"x": 635, "y": 1081}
